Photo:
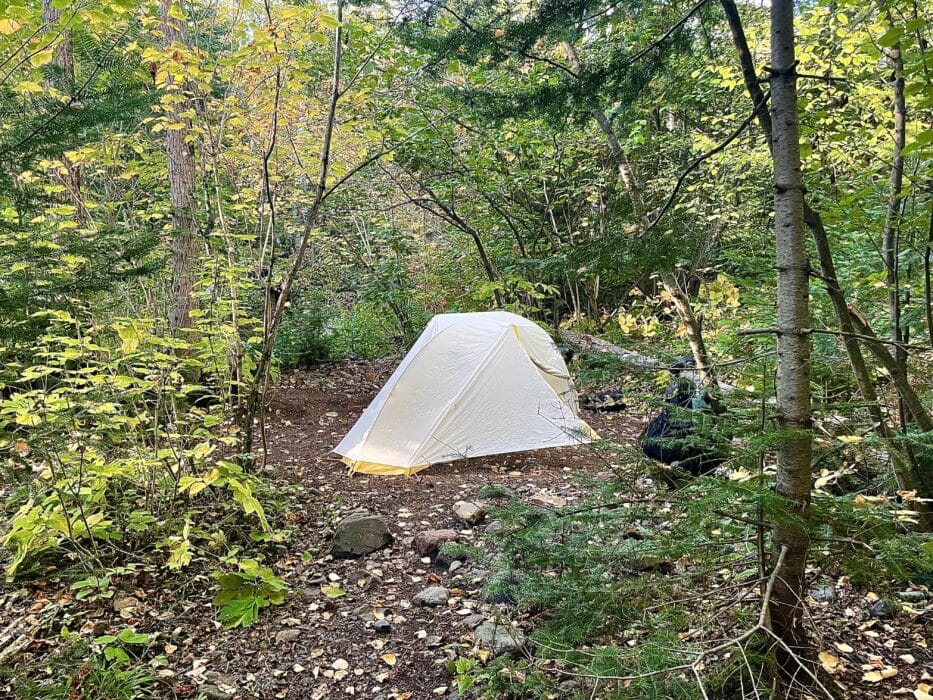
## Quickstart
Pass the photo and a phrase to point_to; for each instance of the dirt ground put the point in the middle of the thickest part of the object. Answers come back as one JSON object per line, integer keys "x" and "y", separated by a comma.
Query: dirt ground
{"x": 317, "y": 646}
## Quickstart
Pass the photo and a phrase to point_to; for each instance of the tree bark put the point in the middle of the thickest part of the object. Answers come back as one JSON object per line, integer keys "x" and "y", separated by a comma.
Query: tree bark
{"x": 793, "y": 477}
{"x": 181, "y": 177}
{"x": 907, "y": 472}
{"x": 928, "y": 276}
{"x": 890, "y": 239}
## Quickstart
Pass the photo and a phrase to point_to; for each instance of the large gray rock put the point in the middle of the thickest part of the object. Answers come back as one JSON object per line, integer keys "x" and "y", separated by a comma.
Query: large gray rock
{"x": 428, "y": 542}
{"x": 499, "y": 639}
{"x": 470, "y": 512}
{"x": 435, "y": 595}
{"x": 359, "y": 534}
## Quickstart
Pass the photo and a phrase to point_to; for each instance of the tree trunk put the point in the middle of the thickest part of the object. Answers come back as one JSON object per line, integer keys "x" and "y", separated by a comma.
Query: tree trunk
{"x": 906, "y": 470}
{"x": 693, "y": 327}
{"x": 793, "y": 477}
{"x": 890, "y": 239}
{"x": 928, "y": 277}
{"x": 181, "y": 178}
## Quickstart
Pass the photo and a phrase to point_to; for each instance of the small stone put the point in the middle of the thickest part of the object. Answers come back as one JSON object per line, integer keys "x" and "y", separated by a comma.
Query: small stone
{"x": 494, "y": 527}
{"x": 287, "y": 636}
{"x": 824, "y": 593}
{"x": 428, "y": 542}
{"x": 432, "y": 596}
{"x": 499, "y": 639}
{"x": 435, "y": 640}
{"x": 363, "y": 613}
{"x": 469, "y": 512}
{"x": 547, "y": 500}
{"x": 209, "y": 691}
{"x": 883, "y": 609}
{"x": 473, "y": 621}
{"x": 382, "y": 626}
{"x": 454, "y": 565}
{"x": 359, "y": 534}
{"x": 912, "y": 596}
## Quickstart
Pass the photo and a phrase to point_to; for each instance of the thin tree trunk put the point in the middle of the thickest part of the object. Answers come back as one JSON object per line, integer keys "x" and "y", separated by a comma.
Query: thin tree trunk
{"x": 793, "y": 477}
{"x": 181, "y": 177}
{"x": 906, "y": 470}
{"x": 890, "y": 239}
{"x": 927, "y": 278}
{"x": 263, "y": 363}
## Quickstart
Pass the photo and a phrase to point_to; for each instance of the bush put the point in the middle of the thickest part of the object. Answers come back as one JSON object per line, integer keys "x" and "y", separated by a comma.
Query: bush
{"x": 303, "y": 341}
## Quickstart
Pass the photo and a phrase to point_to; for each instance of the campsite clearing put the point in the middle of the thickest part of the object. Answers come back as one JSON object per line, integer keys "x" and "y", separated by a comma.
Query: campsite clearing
{"x": 349, "y": 627}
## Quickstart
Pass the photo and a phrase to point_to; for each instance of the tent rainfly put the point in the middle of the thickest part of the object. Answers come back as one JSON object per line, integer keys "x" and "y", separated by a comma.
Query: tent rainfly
{"x": 473, "y": 384}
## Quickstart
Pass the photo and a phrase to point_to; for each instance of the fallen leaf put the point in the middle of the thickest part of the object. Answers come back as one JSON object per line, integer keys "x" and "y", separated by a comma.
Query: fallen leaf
{"x": 844, "y": 648}
{"x": 829, "y": 662}
{"x": 390, "y": 659}
{"x": 878, "y": 676}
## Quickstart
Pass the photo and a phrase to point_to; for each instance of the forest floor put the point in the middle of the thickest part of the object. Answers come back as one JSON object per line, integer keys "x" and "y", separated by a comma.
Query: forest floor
{"x": 318, "y": 646}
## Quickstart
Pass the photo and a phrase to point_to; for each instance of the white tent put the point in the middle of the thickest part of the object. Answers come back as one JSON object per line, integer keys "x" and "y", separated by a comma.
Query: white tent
{"x": 473, "y": 384}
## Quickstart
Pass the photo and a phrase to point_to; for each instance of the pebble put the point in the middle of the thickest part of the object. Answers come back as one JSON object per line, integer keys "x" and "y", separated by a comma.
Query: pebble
{"x": 382, "y": 626}
{"x": 432, "y": 596}
{"x": 883, "y": 609}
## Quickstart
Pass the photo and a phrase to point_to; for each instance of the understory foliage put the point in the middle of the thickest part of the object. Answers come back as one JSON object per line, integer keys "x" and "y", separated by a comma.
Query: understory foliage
{"x": 642, "y": 594}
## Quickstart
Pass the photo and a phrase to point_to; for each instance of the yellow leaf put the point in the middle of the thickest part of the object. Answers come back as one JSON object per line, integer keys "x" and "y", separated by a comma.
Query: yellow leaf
{"x": 829, "y": 662}
{"x": 843, "y": 647}
{"x": 850, "y": 439}
{"x": 878, "y": 676}
{"x": 9, "y": 26}
{"x": 390, "y": 659}
{"x": 40, "y": 58}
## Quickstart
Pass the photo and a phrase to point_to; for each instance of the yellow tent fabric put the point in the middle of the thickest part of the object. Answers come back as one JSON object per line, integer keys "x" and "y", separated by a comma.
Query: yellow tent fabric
{"x": 473, "y": 384}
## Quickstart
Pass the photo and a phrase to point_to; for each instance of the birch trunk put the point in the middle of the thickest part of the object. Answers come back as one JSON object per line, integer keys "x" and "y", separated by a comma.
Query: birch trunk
{"x": 906, "y": 470}
{"x": 793, "y": 477}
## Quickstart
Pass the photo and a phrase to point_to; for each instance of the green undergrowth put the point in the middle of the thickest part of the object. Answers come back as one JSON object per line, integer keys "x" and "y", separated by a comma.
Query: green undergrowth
{"x": 627, "y": 588}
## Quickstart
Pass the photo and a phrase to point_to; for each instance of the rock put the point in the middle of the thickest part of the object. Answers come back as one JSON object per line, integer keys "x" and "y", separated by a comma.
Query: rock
{"x": 382, "y": 626}
{"x": 434, "y": 595}
{"x": 359, "y": 534}
{"x": 428, "y": 542}
{"x": 912, "y": 596}
{"x": 499, "y": 639}
{"x": 364, "y": 613}
{"x": 883, "y": 609}
{"x": 454, "y": 565}
{"x": 497, "y": 491}
{"x": 288, "y": 636}
{"x": 473, "y": 621}
{"x": 124, "y": 603}
{"x": 824, "y": 593}
{"x": 209, "y": 691}
{"x": 547, "y": 500}
{"x": 470, "y": 512}
{"x": 494, "y": 527}
{"x": 218, "y": 687}
{"x": 435, "y": 640}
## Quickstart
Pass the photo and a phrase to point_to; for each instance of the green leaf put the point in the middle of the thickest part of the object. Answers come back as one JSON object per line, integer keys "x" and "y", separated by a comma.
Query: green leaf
{"x": 128, "y": 636}
{"x": 328, "y": 21}
{"x": 891, "y": 37}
